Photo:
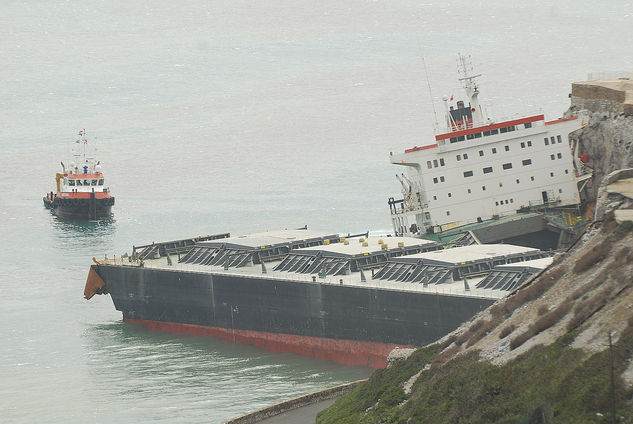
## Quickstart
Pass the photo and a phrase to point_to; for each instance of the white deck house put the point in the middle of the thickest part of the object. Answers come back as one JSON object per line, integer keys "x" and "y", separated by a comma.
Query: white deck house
{"x": 476, "y": 170}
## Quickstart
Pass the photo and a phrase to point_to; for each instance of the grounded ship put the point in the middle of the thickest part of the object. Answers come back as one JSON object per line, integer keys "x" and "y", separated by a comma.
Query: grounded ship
{"x": 354, "y": 299}
{"x": 347, "y": 300}
{"x": 81, "y": 192}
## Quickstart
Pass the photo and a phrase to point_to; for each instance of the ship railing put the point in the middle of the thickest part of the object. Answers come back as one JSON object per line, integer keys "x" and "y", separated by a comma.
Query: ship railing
{"x": 353, "y": 280}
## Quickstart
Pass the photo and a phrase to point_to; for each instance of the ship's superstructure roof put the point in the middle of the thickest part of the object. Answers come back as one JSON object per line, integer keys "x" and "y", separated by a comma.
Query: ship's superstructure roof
{"x": 272, "y": 238}
{"x": 368, "y": 245}
{"x": 352, "y": 255}
{"x": 253, "y": 248}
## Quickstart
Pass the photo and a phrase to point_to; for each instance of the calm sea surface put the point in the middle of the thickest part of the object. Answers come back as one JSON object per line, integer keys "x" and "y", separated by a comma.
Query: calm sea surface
{"x": 240, "y": 116}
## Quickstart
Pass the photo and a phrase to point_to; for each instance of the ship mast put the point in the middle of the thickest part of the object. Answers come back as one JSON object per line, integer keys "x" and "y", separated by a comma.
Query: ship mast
{"x": 465, "y": 69}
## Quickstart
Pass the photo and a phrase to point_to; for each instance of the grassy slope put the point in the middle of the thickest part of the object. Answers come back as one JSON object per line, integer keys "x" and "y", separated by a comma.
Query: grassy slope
{"x": 546, "y": 384}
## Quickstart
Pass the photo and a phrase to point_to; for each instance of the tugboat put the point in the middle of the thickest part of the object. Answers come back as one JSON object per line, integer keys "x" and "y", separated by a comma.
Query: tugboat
{"x": 80, "y": 193}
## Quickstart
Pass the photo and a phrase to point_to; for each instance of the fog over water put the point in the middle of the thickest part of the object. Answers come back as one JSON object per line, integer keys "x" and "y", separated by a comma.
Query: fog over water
{"x": 237, "y": 116}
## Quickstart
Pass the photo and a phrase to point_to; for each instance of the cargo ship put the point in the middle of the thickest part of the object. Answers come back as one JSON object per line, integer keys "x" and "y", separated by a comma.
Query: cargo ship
{"x": 80, "y": 189}
{"x": 347, "y": 300}
{"x": 354, "y": 299}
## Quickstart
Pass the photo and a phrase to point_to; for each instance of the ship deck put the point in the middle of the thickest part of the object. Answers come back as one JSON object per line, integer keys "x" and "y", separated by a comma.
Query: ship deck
{"x": 389, "y": 263}
{"x": 449, "y": 288}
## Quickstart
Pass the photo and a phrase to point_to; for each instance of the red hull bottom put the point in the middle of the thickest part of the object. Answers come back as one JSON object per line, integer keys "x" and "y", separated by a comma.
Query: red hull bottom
{"x": 347, "y": 352}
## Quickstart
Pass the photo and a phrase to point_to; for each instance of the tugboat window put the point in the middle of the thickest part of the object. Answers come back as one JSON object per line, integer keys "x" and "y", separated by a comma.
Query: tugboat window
{"x": 101, "y": 181}
{"x": 71, "y": 182}
{"x": 79, "y": 182}
{"x": 86, "y": 182}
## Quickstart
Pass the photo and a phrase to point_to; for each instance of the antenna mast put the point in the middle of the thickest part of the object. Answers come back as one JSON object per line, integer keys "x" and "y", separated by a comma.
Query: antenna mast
{"x": 465, "y": 69}
{"x": 428, "y": 83}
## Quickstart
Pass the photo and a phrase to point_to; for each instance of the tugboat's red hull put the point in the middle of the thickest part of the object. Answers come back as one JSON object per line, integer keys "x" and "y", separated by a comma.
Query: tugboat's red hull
{"x": 88, "y": 208}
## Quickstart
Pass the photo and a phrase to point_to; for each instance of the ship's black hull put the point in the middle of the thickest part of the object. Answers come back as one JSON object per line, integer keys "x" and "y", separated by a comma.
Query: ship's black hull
{"x": 90, "y": 208}
{"x": 349, "y": 324}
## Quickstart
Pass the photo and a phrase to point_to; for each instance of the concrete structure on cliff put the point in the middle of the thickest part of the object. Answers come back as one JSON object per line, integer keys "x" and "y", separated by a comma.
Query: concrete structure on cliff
{"x": 606, "y": 142}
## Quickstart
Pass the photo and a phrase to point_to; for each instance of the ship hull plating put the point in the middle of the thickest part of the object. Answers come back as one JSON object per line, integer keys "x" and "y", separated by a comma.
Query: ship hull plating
{"x": 348, "y": 324}
{"x": 90, "y": 208}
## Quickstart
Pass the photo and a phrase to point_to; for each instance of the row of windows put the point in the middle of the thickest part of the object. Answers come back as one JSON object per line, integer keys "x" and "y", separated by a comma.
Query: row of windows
{"x": 488, "y": 133}
{"x": 501, "y": 202}
{"x": 435, "y": 163}
{"x": 523, "y": 144}
{"x": 552, "y": 141}
{"x": 488, "y": 169}
{"x": 558, "y": 155}
{"x": 483, "y": 187}
{"x": 85, "y": 182}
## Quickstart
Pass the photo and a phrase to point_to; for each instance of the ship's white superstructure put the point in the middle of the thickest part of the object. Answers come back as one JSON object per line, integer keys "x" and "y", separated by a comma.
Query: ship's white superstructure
{"x": 478, "y": 169}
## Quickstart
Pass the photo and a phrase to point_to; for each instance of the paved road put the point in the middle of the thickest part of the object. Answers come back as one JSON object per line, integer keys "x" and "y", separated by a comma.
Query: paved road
{"x": 305, "y": 415}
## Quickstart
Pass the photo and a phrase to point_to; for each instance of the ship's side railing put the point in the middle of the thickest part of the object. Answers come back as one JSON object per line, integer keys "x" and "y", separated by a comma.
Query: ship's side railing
{"x": 345, "y": 280}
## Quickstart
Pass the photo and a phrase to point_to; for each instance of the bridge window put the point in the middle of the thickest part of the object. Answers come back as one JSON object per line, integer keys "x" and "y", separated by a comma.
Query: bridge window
{"x": 94, "y": 182}
{"x": 79, "y": 182}
{"x": 86, "y": 182}
{"x": 71, "y": 182}
{"x": 101, "y": 181}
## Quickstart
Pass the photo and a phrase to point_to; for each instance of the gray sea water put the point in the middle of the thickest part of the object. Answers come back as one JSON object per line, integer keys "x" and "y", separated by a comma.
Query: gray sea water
{"x": 242, "y": 116}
